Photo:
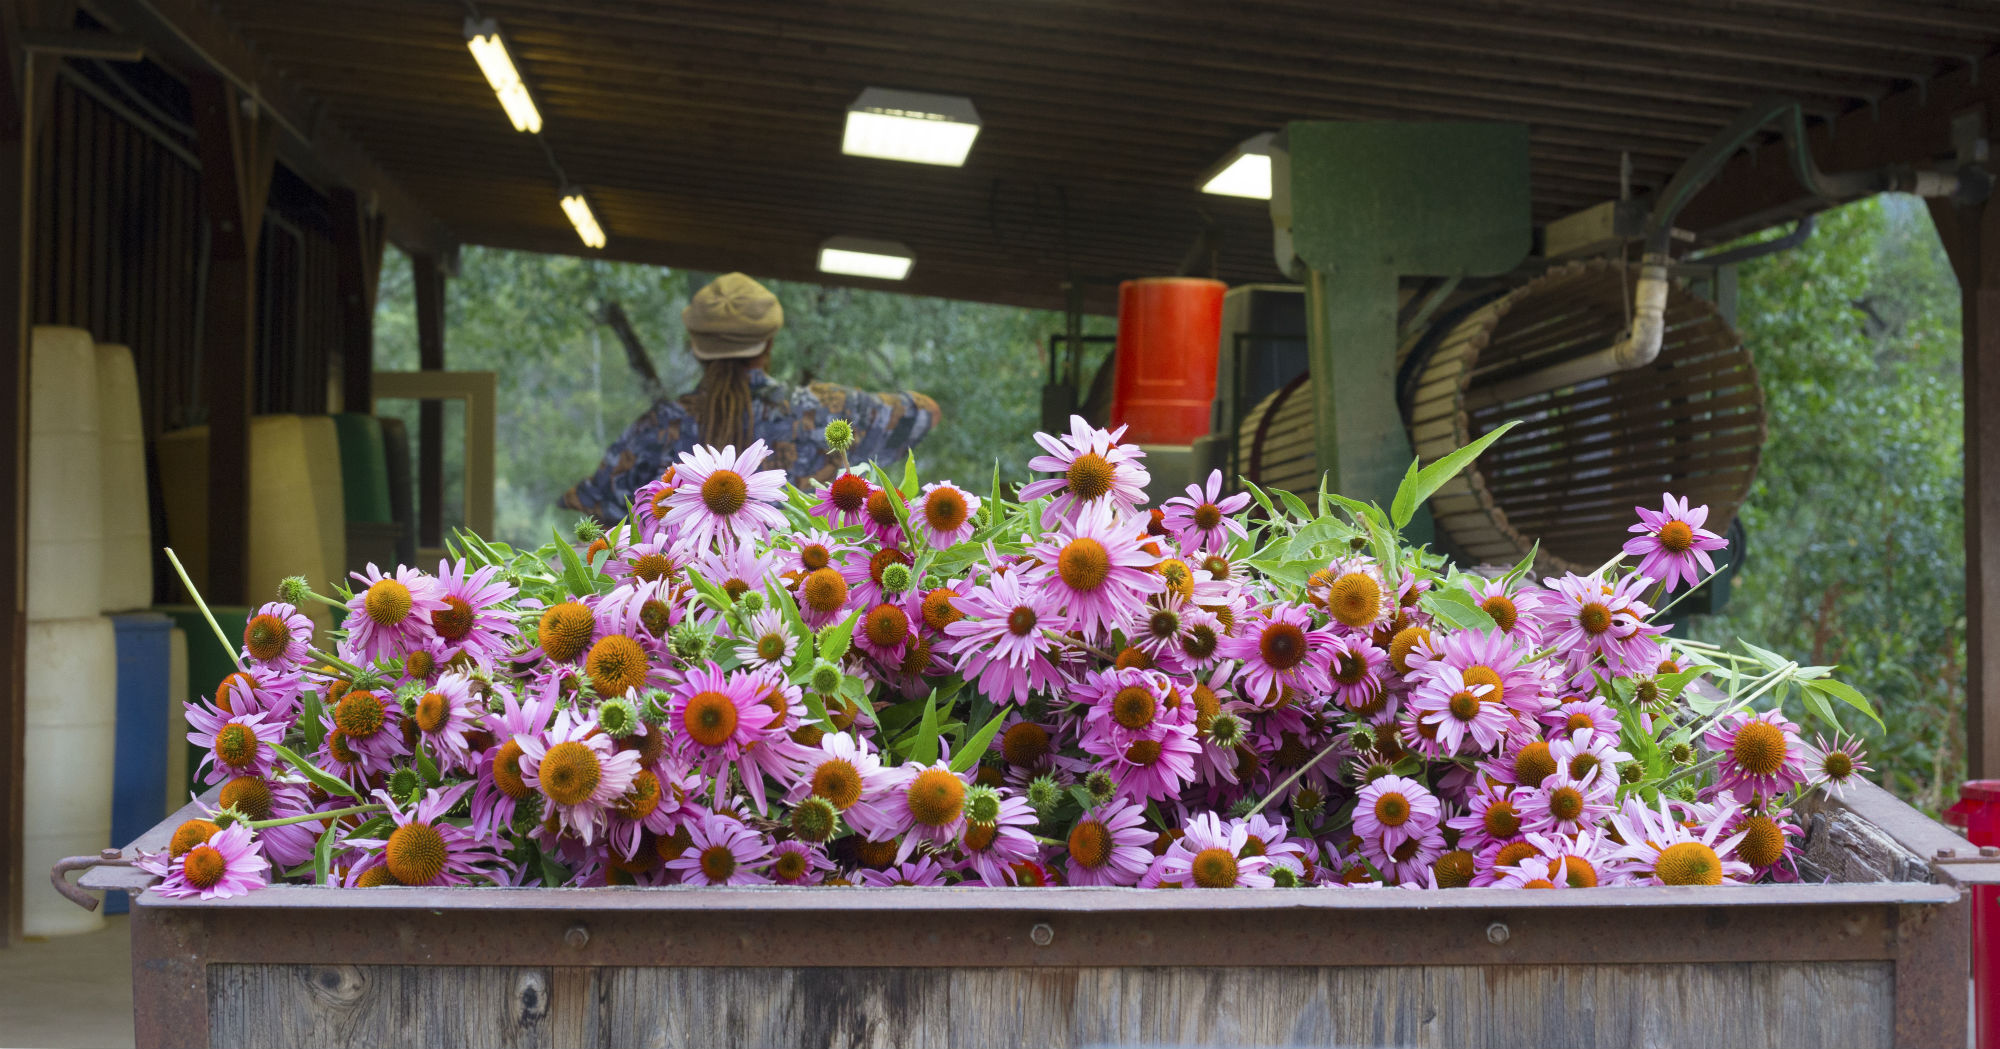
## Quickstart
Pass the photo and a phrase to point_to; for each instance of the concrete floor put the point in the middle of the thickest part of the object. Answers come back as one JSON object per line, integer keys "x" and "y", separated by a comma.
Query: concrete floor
{"x": 68, "y": 991}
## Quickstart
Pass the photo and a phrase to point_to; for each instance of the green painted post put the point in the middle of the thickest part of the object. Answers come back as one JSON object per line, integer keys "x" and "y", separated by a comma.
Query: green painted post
{"x": 1372, "y": 203}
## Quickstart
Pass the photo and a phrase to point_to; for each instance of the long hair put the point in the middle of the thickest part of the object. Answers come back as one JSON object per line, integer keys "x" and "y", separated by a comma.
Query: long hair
{"x": 721, "y": 402}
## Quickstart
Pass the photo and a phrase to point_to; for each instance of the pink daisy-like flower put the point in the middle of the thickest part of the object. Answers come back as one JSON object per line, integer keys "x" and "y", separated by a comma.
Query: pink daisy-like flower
{"x": 238, "y": 744}
{"x": 1393, "y": 809}
{"x": 445, "y": 714}
{"x": 1352, "y": 590}
{"x": 798, "y": 863}
{"x": 1095, "y": 471}
{"x": 1280, "y": 648}
{"x": 1768, "y": 841}
{"x": 1490, "y": 816}
{"x": 228, "y": 864}
{"x": 993, "y": 849}
{"x": 1761, "y": 754}
{"x": 809, "y": 550}
{"x": 1202, "y": 522}
{"x": 472, "y": 621}
{"x": 1148, "y": 768}
{"x": 946, "y": 512}
{"x": 1458, "y": 710}
{"x": 1214, "y": 853}
{"x": 1002, "y": 643}
{"x": 1835, "y": 766}
{"x": 1589, "y": 753}
{"x": 427, "y": 849}
{"x": 1095, "y": 567}
{"x": 501, "y": 785}
{"x": 767, "y": 640}
{"x": 1580, "y": 714}
{"x": 924, "y": 803}
{"x": 886, "y": 631}
{"x": 1591, "y": 619}
{"x": 577, "y": 772}
{"x": 274, "y": 693}
{"x": 1564, "y": 804}
{"x": 844, "y": 771}
{"x": 1109, "y": 845}
{"x": 1539, "y": 871}
{"x": 922, "y": 872}
{"x": 1357, "y": 669}
{"x": 1127, "y": 704}
{"x": 1514, "y": 608}
{"x": 863, "y": 576}
{"x": 713, "y": 716}
{"x": 722, "y": 498}
{"x": 723, "y": 851}
{"x": 277, "y": 636}
{"x": 1660, "y": 850}
{"x": 843, "y": 501}
{"x": 737, "y": 569}
{"x": 1495, "y": 659}
{"x": 648, "y": 560}
{"x": 391, "y": 614}
{"x": 1671, "y": 542}
{"x": 1409, "y": 861}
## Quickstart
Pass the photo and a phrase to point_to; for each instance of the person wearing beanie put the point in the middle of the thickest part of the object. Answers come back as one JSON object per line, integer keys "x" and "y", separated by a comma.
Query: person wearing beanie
{"x": 731, "y": 323}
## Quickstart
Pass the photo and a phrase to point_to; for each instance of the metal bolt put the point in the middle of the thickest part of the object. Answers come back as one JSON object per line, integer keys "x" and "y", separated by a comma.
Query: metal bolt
{"x": 576, "y": 937}
{"x": 1945, "y": 854}
{"x": 1989, "y": 850}
{"x": 1497, "y": 933}
{"x": 1042, "y": 934}
{"x": 110, "y": 854}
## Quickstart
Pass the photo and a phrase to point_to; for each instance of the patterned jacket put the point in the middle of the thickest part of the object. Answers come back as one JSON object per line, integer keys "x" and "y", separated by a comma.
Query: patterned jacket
{"x": 790, "y": 419}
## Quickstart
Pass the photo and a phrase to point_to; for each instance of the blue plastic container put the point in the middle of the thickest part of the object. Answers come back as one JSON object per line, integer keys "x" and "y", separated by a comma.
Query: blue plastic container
{"x": 139, "y": 773}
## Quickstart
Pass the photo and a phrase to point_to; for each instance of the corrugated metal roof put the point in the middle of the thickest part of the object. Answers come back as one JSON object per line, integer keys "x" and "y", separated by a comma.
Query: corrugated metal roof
{"x": 708, "y": 134}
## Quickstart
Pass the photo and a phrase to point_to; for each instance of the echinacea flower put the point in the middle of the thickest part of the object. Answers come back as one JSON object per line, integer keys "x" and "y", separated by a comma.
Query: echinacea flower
{"x": 1150, "y": 767}
{"x": 237, "y": 744}
{"x": 1393, "y": 809}
{"x": 1761, "y": 754}
{"x": 1214, "y": 854}
{"x": 994, "y": 848}
{"x": 843, "y": 501}
{"x": 277, "y": 637}
{"x": 1490, "y": 816}
{"x": 576, "y": 770}
{"x": 768, "y": 640}
{"x": 924, "y": 803}
{"x": 391, "y": 614}
{"x": 1671, "y": 542}
{"x": 1588, "y": 618}
{"x": 1835, "y": 766}
{"x": 227, "y": 864}
{"x": 472, "y": 621}
{"x": 1352, "y": 591}
{"x": 1003, "y": 641}
{"x": 1661, "y": 850}
{"x": 798, "y": 863}
{"x": 947, "y": 513}
{"x": 444, "y": 716}
{"x": 427, "y": 849}
{"x": 1280, "y": 648}
{"x": 713, "y": 716}
{"x": 923, "y": 871}
{"x": 1563, "y": 804}
{"x": 1095, "y": 567}
{"x": 1495, "y": 659}
{"x": 501, "y": 786}
{"x": 723, "y": 851}
{"x": 1107, "y": 846}
{"x": 1514, "y": 607}
{"x": 1203, "y": 521}
{"x": 1096, "y": 471}
{"x": 722, "y": 498}
{"x": 1458, "y": 709}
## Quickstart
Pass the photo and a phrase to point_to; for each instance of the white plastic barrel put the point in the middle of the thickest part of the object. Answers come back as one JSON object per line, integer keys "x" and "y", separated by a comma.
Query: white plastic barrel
{"x": 65, "y": 494}
{"x": 128, "y": 537}
{"x": 72, "y": 677}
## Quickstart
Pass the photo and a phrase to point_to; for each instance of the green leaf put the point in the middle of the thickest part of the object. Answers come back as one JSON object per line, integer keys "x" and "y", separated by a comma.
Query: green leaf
{"x": 554, "y": 875}
{"x": 425, "y": 766}
{"x": 1458, "y": 609}
{"x": 1847, "y": 694}
{"x": 1424, "y": 483}
{"x": 1262, "y": 499}
{"x": 924, "y": 745}
{"x": 1404, "y": 506}
{"x": 322, "y": 861}
{"x": 711, "y": 594}
{"x": 576, "y": 576}
{"x": 325, "y": 782}
{"x": 909, "y": 484}
{"x": 1296, "y": 505}
{"x": 1363, "y": 512}
{"x": 1818, "y": 705}
{"x": 975, "y": 748}
{"x": 1525, "y": 565}
{"x": 311, "y": 711}
{"x": 836, "y": 638}
{"x": 818, "y": 711}
{"x": 1765, "y": 656}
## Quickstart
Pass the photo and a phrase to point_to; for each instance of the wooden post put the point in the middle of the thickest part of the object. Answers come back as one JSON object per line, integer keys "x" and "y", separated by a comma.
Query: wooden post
{"x": 16, "y": 188}
{"x": 428, "y": 283}
{"x": 236, "y": 157}
{"x": 357, "y": 242}
{"x": 1972, "y": 240}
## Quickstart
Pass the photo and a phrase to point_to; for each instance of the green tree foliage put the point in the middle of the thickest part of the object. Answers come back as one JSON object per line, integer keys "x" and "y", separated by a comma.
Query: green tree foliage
{"x": 1856, "y": 549}
{"x": 566, "y": 392}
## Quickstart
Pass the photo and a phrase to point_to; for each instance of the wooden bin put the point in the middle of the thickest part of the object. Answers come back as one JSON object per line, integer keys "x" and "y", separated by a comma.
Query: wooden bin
{"x": 1877, "y": 958}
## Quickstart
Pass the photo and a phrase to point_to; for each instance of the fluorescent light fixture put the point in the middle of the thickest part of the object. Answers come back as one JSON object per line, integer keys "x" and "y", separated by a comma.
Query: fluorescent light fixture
{"x": 909, "y": 125}
{"x": 1245, "y": 172}
{"x": 854, "y": 257}
{"x": 578, "y": 210}
{"x": 482, "y": 37}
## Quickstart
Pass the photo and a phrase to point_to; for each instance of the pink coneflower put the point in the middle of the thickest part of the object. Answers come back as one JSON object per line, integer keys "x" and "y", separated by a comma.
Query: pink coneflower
{"x": 472, "y": 621}
{"x": 645, "y": 611}
{"x": 1002, "y": 643}
{"x": 427, "y": 849}
{"x": 277, "y": 636}
{"x": 736, "y": 569}
{"x": 1409, "y": 861}
{"x": 1490, "y": 816}
{"x": 501, "y": 785}
{"x": 1202, "y": 522}
{"x": 1494, "y": 659}
{"x": 1660, "y": 850}
{"x": 228, "y": 864}
{"x": 1534, "y": 872}
{"x": 1580, "y": 714}
{"x": 1590, "y": 619}
{"x": 238, "y": 744}
{"x": 1564, "y": 804}
{"x": 1761, "y": 754}
{"x": 798, "y": 863}
{"x": 843, "y": 501}
{"x": 1393, "y": 809}
{"x": 1096, "y": 471}
{"x": 722, "y": 498}
{"x": 994, "y": 847}
{"x": 847, "y": 773}
{"x": 648, "y": 560}
{"x": 1127, "y": 704}
{"x": 390, "y": 615}
{"x": 924, "y": 803}
{"x": 1835, "y": 766}
{"x": 1514, "y": 608}
{"x": 1458, "y": 710}
{"x": 649, "y": 504}
{"x": 274, "y": 693}
{"x": 1213, "y": 854}
{"x": 1768, "y": 841}
{"x": 444, "y": 714}
{"x": 810, "y": 549}
{"x": 1357, "y": 670}
{"x": 863, "y": 575}
{"x": 1094, "y": 567}
{"x": 723, "y": 852}
{"x": 946, "y": 512}
{"x": 1671, "y": 542}
{"x": 577, "y": 772}
{"x": 767, "y": 640}
{"x": 1108, "y": 845}
{"x": 1150, "y": 767}
{"x": 1587, "y": 753}
{"x": 713, "y": 716}
{"x": 290, "y": 844}
{"x": 1280, "y": 648}
{"x": 923, "y": 872}
{"x": 1352, "y": 591}
{"x": 885, "y": 632}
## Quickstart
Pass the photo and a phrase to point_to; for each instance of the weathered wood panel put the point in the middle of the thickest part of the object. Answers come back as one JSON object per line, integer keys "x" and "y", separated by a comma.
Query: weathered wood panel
{"x": 1738, "y": 1004}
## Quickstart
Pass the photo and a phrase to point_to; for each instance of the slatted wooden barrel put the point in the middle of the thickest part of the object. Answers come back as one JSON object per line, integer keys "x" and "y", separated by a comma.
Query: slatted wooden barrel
{"x": 1691, "y": 422}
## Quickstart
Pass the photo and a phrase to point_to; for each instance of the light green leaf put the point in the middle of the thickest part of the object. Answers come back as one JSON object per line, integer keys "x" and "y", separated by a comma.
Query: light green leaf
{"x": 1525, "y": 565}
{"x": 835, "y": 639}
{"x": 1818, "y": 705}
{"x": 325, "y": 782}
{"x": 576, "y": 576}
{"x": 1404, "y": 506}
{"x": 1424, "y": 483}
{"x": 924, "y": 745}
{"x": 322, "y": 861}
{"x": 910, "y": 483}
{"x": 1262, "y": 499}
{"x": 1295, "y": 504}
{"x": 1847, "y": 694}
{"x": 1458, "y": 609}
{"x": 975, "y": 748}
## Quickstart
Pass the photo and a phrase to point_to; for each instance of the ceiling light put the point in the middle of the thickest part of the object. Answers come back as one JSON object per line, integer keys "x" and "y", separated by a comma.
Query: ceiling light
{"x": 854, "y": 257}
{"x": 1245, "y": 172}
{"x": 578, "y": 210}
{"x": 482, "y": 37}
{"x": 908, "y": 125}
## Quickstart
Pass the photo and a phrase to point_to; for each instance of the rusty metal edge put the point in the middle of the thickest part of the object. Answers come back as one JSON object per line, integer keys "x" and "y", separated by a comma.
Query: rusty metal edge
{"x": 130, "y": 879}
{"x": 1933, "y": 961}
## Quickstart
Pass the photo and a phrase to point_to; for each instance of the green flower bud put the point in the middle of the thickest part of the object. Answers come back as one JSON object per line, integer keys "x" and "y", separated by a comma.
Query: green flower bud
{"x": 1361, "y": 738}
{"x": 1631, "y": 772}
{"x": 896, "y": 579}
{"x": 1044, "y": 793}
{"x": 618, "y": 717}
{"x": 1226, "y": 729}
{"x": 1681, "y": 754}
{"x": 751, "y": 601}
{"x": 839, "y": 435}
{"x": 815, "y": 819}
{"x": 294, "y": 590}
{"x": 405, "y": 785}
{"x": 588, "y": 531}
{"x": 1284, "y": 877}
{"x": 1101, "y": 786}
{"x": 227, "y": 815}
{"x": 982, "y": 804}
{"x": 825, "y": 677}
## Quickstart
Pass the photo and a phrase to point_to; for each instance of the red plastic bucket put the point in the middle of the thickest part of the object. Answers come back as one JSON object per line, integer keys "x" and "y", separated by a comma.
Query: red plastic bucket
{"x": 1977, "y": 811}
{"x": 1169, "y": 329}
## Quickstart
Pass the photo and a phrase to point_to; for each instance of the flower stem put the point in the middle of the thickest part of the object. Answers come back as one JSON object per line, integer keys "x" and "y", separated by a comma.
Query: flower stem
{"x": 205, "y": 613}
{"x": 317, "y": 816}
{"x": 1657, "y": 613}
{"x": 1296, "y": 773}
{"x": 1074, "y": 643}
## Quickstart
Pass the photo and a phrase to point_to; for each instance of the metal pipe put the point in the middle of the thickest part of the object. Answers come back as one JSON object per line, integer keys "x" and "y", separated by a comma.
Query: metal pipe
{"x": 1799, "y": 235}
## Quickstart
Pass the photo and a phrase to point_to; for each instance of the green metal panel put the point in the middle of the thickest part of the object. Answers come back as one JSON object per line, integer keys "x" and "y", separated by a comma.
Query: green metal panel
{"x": 364, "y": 468}
{"x": 1371, "y": 203}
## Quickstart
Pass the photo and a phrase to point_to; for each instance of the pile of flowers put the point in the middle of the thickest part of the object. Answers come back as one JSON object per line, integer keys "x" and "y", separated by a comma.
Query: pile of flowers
{"x": 889, "y": 682}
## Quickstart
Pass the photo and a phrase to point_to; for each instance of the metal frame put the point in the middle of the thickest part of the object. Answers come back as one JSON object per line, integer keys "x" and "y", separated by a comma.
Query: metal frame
{"x": 1922, "y": 928}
